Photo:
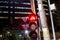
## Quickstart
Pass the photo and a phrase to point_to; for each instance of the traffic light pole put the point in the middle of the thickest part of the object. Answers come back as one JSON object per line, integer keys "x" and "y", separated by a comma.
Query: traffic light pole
{"x": 43, "y": 20}
{"x": 33, "y": 6}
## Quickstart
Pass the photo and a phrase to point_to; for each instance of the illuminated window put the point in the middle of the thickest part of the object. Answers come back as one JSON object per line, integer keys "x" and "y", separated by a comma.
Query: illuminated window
{"x": 3, "y": 6}
{"x": 0, "y": 11}
{"x": 5, "y": 11}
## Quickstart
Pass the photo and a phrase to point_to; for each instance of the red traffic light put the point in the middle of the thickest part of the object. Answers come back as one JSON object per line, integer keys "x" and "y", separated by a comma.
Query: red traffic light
{"x": 32, "y": 17}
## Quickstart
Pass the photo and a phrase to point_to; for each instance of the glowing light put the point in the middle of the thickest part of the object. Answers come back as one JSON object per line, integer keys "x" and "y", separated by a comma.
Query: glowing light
{"x": 32, "y": 17}
{"x": 8, "y": 32}
{"x": 1, "y": 35}
{"x": 52, "y": 6}
{"x": 20, "y": 35}
{"x": 26, "y": 31}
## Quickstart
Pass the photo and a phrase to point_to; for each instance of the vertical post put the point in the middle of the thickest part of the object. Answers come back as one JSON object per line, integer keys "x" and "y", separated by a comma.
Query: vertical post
{"x": 43, "y": 20}
{"x": 33, "y": 6}
{"x": 52, "y": 21}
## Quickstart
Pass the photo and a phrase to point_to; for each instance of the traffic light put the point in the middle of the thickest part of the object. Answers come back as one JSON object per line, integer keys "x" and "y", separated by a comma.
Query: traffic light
{"x": 32, "y": 18}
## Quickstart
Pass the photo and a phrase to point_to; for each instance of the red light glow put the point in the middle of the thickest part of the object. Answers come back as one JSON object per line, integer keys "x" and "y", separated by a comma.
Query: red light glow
{"x": 32, "y": 17}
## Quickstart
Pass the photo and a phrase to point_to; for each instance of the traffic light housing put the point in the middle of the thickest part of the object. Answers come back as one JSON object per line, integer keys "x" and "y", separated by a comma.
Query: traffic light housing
{"x": 33, "y": 26}
{"x": 32, "y": 19}
{"x": 33, "y": 35}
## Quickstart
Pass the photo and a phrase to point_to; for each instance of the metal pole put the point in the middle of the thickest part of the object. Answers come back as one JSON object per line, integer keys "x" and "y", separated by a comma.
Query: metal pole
{"x": 33, "y": 6}
{"x": 52, "y": 21}
{"x": 43, "y": 20}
